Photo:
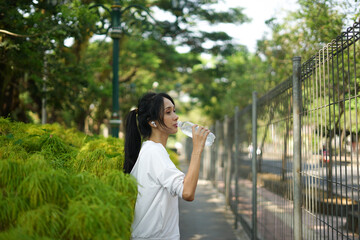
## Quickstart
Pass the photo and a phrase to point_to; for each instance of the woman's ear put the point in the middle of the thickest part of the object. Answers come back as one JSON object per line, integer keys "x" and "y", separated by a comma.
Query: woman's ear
{"x": 153, "y": 124}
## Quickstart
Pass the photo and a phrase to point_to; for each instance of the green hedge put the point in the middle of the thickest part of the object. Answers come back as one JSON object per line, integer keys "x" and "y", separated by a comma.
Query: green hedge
{"x": 59, "y": 183}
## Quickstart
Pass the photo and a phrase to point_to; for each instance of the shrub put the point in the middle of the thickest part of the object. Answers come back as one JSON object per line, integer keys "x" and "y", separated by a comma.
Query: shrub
{"x": 58, "y": 183}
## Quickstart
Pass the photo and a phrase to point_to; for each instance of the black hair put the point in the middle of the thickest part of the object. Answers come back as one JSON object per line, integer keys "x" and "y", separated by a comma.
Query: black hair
{"x": 150, "y": 108}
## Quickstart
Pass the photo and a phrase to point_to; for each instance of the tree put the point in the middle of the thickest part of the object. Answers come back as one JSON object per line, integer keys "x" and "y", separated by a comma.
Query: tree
{"x": 300, "y": 34}
{"x": 41, "y": 29}
{"x": 77, "y": 85}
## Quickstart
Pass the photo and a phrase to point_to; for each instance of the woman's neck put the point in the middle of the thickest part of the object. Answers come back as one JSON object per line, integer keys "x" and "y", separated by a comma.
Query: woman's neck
{"x": 158, "y": 138}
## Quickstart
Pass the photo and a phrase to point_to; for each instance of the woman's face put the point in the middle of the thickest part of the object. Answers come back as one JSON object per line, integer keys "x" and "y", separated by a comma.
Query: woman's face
{"x": 170, "y": 118}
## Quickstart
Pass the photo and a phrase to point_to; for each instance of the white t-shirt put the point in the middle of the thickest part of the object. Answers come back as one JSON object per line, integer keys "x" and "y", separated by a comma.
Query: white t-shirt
{"x": 160, "y": 184}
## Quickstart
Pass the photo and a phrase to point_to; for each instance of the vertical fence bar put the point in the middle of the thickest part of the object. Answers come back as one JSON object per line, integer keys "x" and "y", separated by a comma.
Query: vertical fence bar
{"x": 212, "y": 158}
{"x": 254, "y": 171}
{"x": 217, "y": 155}
{"x": 349, "y": 175}
{"x": 356, "y": 26}
{"x": 229, "y": 166}
{"x": 231, "y": 158}
{"x": 205, "y": 164}
{"x": 227, "y": 156}
{"x": 236, "y": 142}
{"x": 297, "y": 147}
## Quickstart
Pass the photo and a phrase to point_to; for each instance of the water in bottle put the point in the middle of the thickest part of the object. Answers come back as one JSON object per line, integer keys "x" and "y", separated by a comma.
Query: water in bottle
{"x": 186, "y": 128}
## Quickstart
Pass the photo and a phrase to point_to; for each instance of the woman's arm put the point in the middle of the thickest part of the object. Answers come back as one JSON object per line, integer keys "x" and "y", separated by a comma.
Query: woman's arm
{"x": 192, "y": 176}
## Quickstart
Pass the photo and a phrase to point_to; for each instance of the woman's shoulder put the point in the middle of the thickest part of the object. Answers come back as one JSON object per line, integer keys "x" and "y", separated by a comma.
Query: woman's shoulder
{"x": 153, "y": 148}
{"x": 154, "y": 153}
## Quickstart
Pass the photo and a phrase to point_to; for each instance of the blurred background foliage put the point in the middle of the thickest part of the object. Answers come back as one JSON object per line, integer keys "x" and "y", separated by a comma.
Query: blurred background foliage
{"x": 58, "y": 44}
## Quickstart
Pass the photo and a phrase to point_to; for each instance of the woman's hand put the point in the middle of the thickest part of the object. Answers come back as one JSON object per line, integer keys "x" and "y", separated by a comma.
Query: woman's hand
{"x": 199, "y": 134}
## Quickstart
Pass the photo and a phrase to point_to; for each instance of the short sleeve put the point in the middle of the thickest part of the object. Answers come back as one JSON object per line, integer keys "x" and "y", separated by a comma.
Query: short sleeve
{"x": 173, "y": 180}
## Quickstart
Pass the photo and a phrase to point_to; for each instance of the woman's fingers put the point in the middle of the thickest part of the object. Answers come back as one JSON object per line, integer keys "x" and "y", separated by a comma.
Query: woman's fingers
{"x": 203, "y": 131}
{"x": 207, "y": 131}
{"x": 200, "y": 131}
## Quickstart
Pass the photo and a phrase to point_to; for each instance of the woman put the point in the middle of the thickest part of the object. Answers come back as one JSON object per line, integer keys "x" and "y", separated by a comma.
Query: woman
{"x": 160, "y": 183}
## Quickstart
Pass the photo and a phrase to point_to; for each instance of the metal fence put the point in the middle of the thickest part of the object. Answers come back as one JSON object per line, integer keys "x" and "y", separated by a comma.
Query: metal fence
{"x": 289, "y": 163}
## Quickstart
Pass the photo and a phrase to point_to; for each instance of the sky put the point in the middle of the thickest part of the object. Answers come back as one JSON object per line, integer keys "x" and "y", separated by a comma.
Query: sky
{"x": 258, "y": 11}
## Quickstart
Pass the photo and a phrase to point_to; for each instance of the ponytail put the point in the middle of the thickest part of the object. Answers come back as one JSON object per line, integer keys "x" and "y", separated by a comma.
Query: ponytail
{"x": 132, "y": 142}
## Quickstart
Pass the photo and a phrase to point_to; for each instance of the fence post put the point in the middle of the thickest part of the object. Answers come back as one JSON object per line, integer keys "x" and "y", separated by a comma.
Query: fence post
{"x": 297, "y": 147}
{"x": 227, "y": 160}
{"x": 236, "y": 142}
{"x": 217, "y": 154}
{"x": 254, "y": 170}
{"x": 213, "y": 158}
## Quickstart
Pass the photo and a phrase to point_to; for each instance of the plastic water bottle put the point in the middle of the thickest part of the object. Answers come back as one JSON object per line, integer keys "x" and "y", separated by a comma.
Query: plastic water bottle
{"x": 186, "y": 128}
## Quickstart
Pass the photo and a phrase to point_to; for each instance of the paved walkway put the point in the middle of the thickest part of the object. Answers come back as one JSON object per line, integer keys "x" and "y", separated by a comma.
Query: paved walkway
{"x": 207, "y": 218}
